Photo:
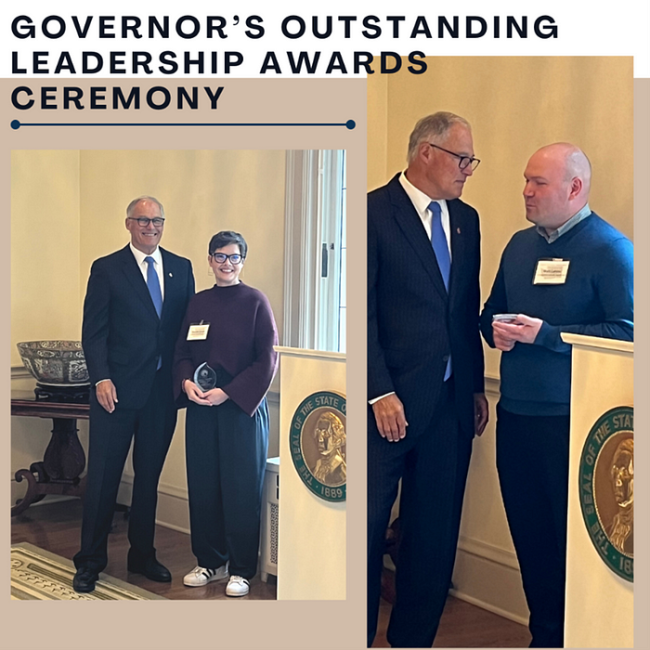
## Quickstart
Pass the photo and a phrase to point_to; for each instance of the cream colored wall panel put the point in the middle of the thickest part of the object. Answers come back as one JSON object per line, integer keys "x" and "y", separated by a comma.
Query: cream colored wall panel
{"x": 377, "y": 130}
{"x": 44, "y": 247}
{"x": 484, "y": 517}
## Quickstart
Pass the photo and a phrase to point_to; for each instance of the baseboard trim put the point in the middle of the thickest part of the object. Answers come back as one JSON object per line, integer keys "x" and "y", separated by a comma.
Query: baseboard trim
{"x": 522, "y": 620}
{"x": 173, "y": 509}
{"x": 178, "y": 529}
{"x": 496, "y": 554}
{"x": 506, "y": 612}
{"x": 172, "y": 491}
{"x": 488, "y": 578}
{"x": 173, "y": 512}
{"x": 480, "y": 566}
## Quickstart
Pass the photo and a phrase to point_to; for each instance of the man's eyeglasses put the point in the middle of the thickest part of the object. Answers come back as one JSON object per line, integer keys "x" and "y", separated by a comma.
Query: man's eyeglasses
{"x": 144, "y": 221}
{"x": 463, "y": 161}
{"x": 220, "y": 258}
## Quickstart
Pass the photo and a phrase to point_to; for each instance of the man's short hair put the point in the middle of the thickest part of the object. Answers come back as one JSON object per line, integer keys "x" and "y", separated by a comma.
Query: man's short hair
{"x": 131, "y": 207}
{"x": 226, "y": 237}
{"x": 432, "y": 127}
{"x": 578, "y": 164}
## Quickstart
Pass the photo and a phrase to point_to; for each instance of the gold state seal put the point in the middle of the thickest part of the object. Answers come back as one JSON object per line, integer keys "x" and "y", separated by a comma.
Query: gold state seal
{"x": 317, "y": 441}
{"x": 607, "y": 489}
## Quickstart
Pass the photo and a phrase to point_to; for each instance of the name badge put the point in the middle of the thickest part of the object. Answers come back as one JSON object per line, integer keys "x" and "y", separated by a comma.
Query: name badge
{"x": 198, "y": 332}
{"x": 551, "y": 271}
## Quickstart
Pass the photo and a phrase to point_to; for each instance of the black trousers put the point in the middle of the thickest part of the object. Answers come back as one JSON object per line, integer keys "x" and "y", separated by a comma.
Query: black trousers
{"x": 152, "y": 428}
{"x": 533, "y": 465}
{"x": 226, "y": 461}
{"x": 433, "y": 465}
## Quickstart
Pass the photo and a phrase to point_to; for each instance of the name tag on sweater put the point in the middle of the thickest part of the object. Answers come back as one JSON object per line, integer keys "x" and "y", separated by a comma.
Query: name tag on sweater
{"x": 551, "y": 272}
{"x": 198, "y": 332}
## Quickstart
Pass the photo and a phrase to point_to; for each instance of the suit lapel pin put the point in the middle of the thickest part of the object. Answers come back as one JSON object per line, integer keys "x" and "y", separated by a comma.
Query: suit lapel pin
{"x": 171, "y": 276}
{"x": 458, "y": 230}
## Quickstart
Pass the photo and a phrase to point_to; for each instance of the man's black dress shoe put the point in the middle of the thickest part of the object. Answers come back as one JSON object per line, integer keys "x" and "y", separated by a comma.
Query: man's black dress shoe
{"x": 84, "y": 580}
{"x": 151, "y": 569}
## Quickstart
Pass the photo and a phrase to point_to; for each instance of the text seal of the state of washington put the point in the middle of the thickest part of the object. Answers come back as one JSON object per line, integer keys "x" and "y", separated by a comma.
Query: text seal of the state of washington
{"x": 317, "y": 442}
{"x": 607, "y": 489}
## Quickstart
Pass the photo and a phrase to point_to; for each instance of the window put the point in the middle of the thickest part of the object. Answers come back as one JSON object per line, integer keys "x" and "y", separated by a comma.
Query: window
{"x": 315, "y": 244}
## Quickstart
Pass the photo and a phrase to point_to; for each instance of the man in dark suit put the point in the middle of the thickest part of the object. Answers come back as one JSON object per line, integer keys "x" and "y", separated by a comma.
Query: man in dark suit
{"x": 134, "y": 306}
{"x": 425, "y": 370}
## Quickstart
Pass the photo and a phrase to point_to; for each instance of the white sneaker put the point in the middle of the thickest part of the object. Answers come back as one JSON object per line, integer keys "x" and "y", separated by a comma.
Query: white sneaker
{"x": 199, "y": 576}
{"x": 237, "y": 586}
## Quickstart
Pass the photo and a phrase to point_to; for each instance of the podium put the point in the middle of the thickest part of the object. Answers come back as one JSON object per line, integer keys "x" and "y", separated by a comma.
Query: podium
{"x": 312, "y": 531}
{"x": 599, "y": 598}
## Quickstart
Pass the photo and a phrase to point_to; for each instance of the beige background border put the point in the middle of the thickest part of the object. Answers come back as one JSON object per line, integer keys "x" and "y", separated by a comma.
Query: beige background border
{"x": 642, "y": 353}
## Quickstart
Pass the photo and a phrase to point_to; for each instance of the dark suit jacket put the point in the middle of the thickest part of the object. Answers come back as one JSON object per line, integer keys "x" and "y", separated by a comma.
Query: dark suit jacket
{"x": 413, "y": 324}
{"x": 122, "y": 336}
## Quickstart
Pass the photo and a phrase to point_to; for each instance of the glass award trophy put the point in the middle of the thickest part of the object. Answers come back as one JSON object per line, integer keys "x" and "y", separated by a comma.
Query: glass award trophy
{"x": 205, "y": 377}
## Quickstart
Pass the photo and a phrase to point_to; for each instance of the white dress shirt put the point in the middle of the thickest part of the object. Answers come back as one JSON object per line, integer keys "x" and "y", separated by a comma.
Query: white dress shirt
{"x": 143, "y": 266}
{"x": 421, "y": 203}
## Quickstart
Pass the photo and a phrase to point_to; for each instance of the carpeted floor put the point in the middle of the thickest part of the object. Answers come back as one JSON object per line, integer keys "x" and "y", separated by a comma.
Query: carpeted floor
{"x": 37, "y": 574}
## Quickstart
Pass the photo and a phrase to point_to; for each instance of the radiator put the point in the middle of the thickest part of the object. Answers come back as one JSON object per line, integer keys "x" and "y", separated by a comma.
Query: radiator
{"x": 270, "y": 520}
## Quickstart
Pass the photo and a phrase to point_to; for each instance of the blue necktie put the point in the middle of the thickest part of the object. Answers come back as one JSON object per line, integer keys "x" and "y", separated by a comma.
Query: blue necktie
{"x": 153, "y": 284}
{"x": 439, "y": 242}
{"x": 441, "y": 250}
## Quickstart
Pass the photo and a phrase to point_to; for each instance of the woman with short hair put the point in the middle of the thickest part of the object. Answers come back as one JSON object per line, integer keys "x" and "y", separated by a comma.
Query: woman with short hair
{"x": 231, "y": 328}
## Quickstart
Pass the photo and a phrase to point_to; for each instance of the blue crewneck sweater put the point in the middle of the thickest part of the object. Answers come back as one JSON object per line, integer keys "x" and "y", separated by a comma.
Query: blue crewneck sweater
{"x": 595, "y": 300}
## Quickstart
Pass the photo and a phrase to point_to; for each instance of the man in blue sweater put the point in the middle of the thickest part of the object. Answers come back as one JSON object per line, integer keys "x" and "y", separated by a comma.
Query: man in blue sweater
{"x": 570, "y": 272}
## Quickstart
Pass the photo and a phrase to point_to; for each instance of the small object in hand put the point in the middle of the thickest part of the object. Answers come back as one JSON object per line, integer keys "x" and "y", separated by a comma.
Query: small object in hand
{"x": 205, "y": 377}
{"x": 504, "y": 318}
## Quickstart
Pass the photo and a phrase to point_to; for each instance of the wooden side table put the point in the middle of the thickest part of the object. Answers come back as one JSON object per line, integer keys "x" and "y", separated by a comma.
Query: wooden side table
{"x": 64, "y": 459}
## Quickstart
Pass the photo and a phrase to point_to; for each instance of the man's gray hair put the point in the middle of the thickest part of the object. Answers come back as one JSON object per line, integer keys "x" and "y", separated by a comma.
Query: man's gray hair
{"x": 131, "y": 207}
{"x": 432, "y": 127}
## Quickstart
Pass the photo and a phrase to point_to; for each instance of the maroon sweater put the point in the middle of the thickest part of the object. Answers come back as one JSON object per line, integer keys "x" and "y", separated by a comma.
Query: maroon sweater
{"x": 240, "y": 342}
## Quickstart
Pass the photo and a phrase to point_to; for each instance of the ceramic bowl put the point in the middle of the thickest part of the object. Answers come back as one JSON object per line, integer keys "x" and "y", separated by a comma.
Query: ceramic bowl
{"x": 55, "y": 363}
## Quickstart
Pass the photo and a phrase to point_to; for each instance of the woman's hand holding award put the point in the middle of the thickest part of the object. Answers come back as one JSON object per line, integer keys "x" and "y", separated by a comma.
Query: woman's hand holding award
{"x": 203, "y": 389}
